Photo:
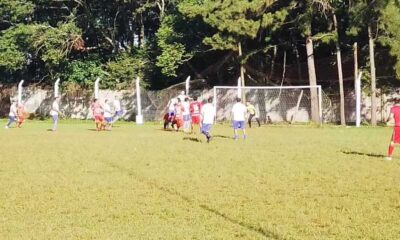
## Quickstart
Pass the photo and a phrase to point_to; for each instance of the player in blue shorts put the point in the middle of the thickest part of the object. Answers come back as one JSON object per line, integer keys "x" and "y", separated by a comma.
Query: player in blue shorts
{"x": 12, "y": 116}
{"x": 238, "y": 116}
{"x": 207, "y": 118}
{"x": 108, "y": 115}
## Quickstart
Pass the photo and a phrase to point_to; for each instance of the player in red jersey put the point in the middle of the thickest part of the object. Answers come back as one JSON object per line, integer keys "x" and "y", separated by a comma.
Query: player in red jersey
{"x": 394, "y": 114}
{"x": 195, "y": 112}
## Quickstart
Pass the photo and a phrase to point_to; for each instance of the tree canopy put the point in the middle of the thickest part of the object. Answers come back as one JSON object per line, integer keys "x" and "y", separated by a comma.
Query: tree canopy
{"x": 163, "y": 41}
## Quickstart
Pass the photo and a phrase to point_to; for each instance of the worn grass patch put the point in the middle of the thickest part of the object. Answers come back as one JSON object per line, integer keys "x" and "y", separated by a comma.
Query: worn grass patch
{"x": 138, "y": 182}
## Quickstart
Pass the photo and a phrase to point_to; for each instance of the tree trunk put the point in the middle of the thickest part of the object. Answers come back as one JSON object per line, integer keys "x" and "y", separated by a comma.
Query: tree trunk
{"x": 271, "y": 74}
{"x": 299, "y": 75}
{"x": 312, "y": 77}
{"x": 373, "y": 76}
{"x": 340, "y": 73}
{"x": 242, "y": 71}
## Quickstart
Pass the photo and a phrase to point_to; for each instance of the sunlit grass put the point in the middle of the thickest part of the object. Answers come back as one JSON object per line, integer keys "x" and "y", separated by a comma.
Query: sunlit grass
{"x": 138, "y": 182}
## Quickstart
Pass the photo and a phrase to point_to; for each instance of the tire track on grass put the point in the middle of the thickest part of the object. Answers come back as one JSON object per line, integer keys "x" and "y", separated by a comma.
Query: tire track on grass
{"x": 173, "y": 192}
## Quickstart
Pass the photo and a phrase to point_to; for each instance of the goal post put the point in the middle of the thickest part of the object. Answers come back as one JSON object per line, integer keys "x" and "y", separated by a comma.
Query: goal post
{"x": 275, "y": 103}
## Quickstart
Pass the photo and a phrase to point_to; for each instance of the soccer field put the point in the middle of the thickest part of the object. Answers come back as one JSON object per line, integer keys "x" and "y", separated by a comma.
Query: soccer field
{"x": 139, "y": 182}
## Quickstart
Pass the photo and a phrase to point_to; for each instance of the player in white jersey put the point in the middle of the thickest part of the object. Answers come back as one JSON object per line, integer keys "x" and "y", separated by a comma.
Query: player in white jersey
{"x": 182, "y": 96}
{"x": 117, "y": 109}
{"x": 55, "y": 112}
{"x": 207, "y": 118}
{"x": 186, "y": 115}
{"x": 108, "y": 115}
{"x": 238, "y": 116}
{"x": 12, "y": 116}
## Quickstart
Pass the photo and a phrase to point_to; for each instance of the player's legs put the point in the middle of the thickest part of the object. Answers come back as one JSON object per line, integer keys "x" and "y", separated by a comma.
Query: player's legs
{"x": 235, "y": 127}
{"x": 10, "y": 121}
{"x": 205, "y": 129}
{"x": 390, "y": 151}
{"x": 55, "y": 122}
{"x": 258, "y": 121}
{"x": 395, "y": 140}
{"x": 21, "y": 120}
{"x": 242, "y": 125}
{"x": 250, "y": 118}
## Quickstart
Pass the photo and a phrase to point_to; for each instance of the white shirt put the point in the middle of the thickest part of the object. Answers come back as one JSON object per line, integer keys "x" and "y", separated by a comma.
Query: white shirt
{"x": 208, "y": 113}
{"x": 186, "y": 107}
{"x": 107, "y": 111}
{"x": 182, "y": 97}
{"x": 239, "y": 111}
{"x": 171, "y": 106}
{"x": 54, "y": 109}
{"x": 117, "y": 105}
{"x": 13, "y": 110}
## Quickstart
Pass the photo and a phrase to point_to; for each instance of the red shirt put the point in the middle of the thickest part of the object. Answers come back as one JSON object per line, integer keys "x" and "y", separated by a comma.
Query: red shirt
{"x": 195, "y": 108}
{"x": 395, "y": 110}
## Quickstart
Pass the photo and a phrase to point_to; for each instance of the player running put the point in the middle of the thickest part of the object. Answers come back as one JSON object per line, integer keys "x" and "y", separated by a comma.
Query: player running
{"x": 239, "y": 112}
{"x": 117, "y": 109}
{"x": 97, "y": 110}
{"x": 195, "y": 111}
{"x": 394, "y": 115}
{"x": 186, "y": 115}
{"x": 178, "y": 116}
{"x": 207, "y": 118}
{"x": 12, "y": 116}
{"x": 55, "y": 112}
{"x": 108, "y": 115}
{"x": 20, "y": 115}
{"x": 252, "y": 113}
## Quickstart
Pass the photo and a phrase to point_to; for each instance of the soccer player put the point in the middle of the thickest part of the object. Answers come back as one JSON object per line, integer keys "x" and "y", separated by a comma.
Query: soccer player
{"x": 108, "y": 115}
{"x": 13, "y": 114}
{"x": 195, "y": 111}
{"x": 182, "y": 96}
{"x": 97, "y": 110}
{"x": 117, "y": 109}
{"x": 171, "y": 107}
{"x": 207, "y": 118}
{"x": 54, "y": 113}
{"x": 186, "y": 115}
{"x": 20, "y": 115}
{"x": 394, "y": 114}
{"x": 252, "y": 113}
{"x": 238, "y": 114}
{"x": 178, "y": 115}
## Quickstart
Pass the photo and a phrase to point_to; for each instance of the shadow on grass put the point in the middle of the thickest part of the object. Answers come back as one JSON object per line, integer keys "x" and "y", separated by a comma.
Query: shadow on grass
{"x": 248, "y": 226}
{"x": 221, "y": 136}
{"x": 363, "y": 154}
{"x": 193, "y": 139}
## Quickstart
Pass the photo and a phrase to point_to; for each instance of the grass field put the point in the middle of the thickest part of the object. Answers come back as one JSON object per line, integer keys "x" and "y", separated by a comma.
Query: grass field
{"x": 138, "y": 182}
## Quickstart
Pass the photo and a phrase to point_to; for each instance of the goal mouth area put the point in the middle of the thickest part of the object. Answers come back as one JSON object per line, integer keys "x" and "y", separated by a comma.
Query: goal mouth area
{"x": 276, "y": 104}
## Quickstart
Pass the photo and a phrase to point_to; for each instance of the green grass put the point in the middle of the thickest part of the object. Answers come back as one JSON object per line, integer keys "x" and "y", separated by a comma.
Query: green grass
{"x": 138, "y": 182}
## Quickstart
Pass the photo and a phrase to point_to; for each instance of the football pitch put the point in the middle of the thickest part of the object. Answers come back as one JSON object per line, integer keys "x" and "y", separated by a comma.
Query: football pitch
{"x": 139, "y": 182}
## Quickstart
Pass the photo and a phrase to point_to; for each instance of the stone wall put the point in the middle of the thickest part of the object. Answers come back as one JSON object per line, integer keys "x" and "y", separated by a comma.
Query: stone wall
{"x": 76, "y": 105}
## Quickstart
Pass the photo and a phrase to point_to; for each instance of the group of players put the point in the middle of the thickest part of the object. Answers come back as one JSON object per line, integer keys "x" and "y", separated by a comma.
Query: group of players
{"x": 104, "y": 114}
{"x": 190, "y": 114}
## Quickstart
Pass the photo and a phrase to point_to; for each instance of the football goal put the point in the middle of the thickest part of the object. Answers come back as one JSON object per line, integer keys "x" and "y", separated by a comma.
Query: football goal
{"x": 273, "y": 104}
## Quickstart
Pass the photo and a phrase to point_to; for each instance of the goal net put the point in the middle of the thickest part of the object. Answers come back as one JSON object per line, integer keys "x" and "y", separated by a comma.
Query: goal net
{"x": 274, "y": 104}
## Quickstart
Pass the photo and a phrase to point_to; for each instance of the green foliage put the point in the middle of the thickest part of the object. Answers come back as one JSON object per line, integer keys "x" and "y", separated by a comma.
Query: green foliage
{"x": 15, "y": 11}
{"x": 390, "y": 22}
{"x": 125, "y": 68}
{"x": 173, "y": 52}
{"x": 83, "y": 73}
